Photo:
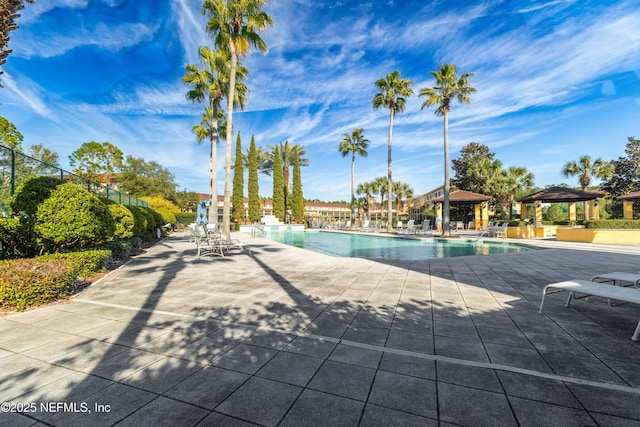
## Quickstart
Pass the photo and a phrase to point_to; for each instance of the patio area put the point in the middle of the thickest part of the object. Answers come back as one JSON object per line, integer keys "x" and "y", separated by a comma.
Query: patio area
{"x": 291, "y": 337}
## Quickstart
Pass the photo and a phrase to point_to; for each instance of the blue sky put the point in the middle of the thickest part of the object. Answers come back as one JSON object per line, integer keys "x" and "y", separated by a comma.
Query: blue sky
{"x": 555, "y": 80}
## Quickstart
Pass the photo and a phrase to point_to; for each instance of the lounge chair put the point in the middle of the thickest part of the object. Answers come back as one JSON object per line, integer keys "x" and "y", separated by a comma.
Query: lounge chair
{"x": 204, "y": 245}
{"x": 411, "y": 229}
{"x": 347, "y": 225}
{"x": 426, "y": 226}
{"x": 501, "y": 231}
{"x": 618, "y": 278}
{"x": 604, "y": 290}
{"x": 399, "y": 228}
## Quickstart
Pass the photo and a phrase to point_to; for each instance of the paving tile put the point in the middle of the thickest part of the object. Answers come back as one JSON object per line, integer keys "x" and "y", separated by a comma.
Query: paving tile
{"x": 609, "y": 420}
{"x": 270, "y": 339}
{"x": 611, "y": 402}
{"x": 366, "y": 335}
{"x": 314, "y": 408}
{"x": 378, "y": 416}
{"x": 123, "y": 364}
{"x": 408, "y": 365}
{"x": 535, "y": 414}
{"x": 162, "y": 375}
{"x": 517, "y": 357}
{"x": 344, "y": 380}
{"x": 465, "y": 406}
{"x": 581, "y": 367}
{"x": 290, "y": 368}
{"x": 245, "y": 358}
{"x": 460, "y": 348}
{"x": 163, "y": 411}
{"x": 511, "y": 336}
{"x": 356, "y": 356}
{"x": 270, "y": 401}
{"x": 208, "y": 387}
{"x": 407, "y": 394}
{"x": 216, "y": 419}
{"x": 535, "y": 388}
{"x": 469, "y": 376}
{"x": 411, "y": 341}
{"x": 311, "y": 347}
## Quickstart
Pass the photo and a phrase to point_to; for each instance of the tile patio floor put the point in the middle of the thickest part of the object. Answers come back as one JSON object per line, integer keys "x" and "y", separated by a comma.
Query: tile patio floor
{"x": 288, "y": 337}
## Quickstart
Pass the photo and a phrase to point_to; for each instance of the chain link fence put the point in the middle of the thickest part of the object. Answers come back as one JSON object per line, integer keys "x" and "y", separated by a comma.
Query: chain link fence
{"x": 16, "y": 167}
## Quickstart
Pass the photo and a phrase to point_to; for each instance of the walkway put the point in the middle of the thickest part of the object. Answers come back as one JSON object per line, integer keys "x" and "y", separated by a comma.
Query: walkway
{"x": 290, "y": 337}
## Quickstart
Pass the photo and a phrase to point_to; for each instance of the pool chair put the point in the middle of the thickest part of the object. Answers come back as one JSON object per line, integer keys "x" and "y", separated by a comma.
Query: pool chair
{"x": 411, "y": 229}
{"x": 586, "y": 289}
{"x": 347, "y": 225}
{"x": 502, "y": 230}
{"x": 426, "y": 226}
{"x": 618, "y": 278}
{"x": 204, "y": 245}
{"x": 399, "y": 228}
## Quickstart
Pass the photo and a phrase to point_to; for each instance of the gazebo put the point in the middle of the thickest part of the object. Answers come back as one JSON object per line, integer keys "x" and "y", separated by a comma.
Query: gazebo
{"x": 627, "y": 203}
{"x": 561, "y": 195}
{"x": 462, "y": 197}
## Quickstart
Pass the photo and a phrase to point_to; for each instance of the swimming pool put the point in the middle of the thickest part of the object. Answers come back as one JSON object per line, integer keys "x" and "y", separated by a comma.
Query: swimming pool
{"x": 388, "y": 248}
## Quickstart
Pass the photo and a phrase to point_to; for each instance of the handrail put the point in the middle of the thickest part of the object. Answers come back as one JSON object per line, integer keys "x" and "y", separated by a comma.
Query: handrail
{"x": 255, "y": 228}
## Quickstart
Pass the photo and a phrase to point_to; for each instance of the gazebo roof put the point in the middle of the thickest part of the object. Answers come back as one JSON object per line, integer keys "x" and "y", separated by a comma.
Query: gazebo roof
{"x": 631, "y": 196}
{"x": 463, "y": 196}
{"x": 561, "y": 195}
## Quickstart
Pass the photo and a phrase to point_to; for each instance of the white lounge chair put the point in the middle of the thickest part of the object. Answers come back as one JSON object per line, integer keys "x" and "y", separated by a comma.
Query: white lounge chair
{"x": 501, "y": 231}
{"x": 587, "y": 288}
{"x": 411, "y": 229}
{"x": 426, "y": 226}
{"x": 618, "y": 278}
{"x": 204, "y": 245}
{"x": 399, "y": 228}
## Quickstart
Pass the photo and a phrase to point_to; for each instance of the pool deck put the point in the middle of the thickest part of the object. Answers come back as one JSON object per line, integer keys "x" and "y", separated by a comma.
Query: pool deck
{"x": 291, "y": 337}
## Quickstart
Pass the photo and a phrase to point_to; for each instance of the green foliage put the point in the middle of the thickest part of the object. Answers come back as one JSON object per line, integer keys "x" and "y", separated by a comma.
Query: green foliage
{"x": 72, "y": 218}
{"x": 237, "y": 202}
{"x": 297, "y": 200}
{"x": 188, "y": 200}
{"x": 626, "y": 177}
{"x": 139, "y": 220}
{"x": 146, "y": 179}
{"x": 29, "y": 195}
{"x": 15, "y": 242}
{"x": 254, "y": 198}
{"x": 186, "y": 217}
{"x": 278, "y": 186}
{"x": 85, "y": 263}
{"x": 164, "y": 211}
{"x": 471, "y": 155}
{"x": 30, "y": 282}
{"x": 554, "y": 213}
{"x": 614, "y": 224}
{"x": 124, "y": 221}
{"x": 136, "y": 242}
{"x": 9, "y": 135}
{"x": 96, "y": 161}
{"x": 120, "y": 250}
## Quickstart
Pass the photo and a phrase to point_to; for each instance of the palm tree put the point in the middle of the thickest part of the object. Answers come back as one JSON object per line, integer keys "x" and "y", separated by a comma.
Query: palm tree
{"x": 210, "y": 84}
{"x": 354, "y": 143}
{"x": 585, "y": 168}
{"x": 367, "y": 189}
{"x": 401, "y": 190}
{"x": 448, "y": 86}
{"x": 393, "y": 91}
{"x": 234, "y": 24}
{"x": 288, "y": 154}
{"x": 514, "y": 180}
{"x": 380, "y": 187}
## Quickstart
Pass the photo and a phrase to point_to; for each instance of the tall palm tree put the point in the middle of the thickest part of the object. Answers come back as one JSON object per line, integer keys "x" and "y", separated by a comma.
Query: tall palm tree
{"x": 210, "y": 83}
{"x": 448, "y": 86}
{"x": 380, "y": 185}
{"x": 288, "y": 154}
{"x": 235, "y": 26}
{"x": 585, "y": 168}
{"x": 367, "y": 189}
{"x": 354, "y": 143}
{"x": 401, "y": 190}
{"x": 514, "y": 180}
{"x": 393, "y": 93}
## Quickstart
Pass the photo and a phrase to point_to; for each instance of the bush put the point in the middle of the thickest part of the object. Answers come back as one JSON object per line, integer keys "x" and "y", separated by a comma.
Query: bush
{"x": 120, "y": 249}
{"x": 31, "y": 282}
{"x": 186, "y": 218}
{"x": 136, "y": 242}
{"x": 15, "y": 241}
{"x": 139, "y": 220}
{"x": 72, "y": 218}
{"x": 85, "y": 263}
{"x": 31, "y": 194}
{"x": 626, "y": 224}
{"x": 124, "y": 220}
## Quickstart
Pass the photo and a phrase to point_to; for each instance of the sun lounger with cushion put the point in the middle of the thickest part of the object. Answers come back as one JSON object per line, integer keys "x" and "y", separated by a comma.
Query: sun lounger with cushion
{"x": 604, "y": 290}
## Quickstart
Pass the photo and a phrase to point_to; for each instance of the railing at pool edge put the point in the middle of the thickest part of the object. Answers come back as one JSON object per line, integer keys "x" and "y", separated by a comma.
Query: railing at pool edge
{"x": 256, "y": 228}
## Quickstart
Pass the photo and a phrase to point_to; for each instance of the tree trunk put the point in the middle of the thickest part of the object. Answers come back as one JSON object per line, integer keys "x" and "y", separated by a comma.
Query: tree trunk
{"x": 445, "y": 204}
{"x": 353, "y": 192}
{"x": 213, "y": 173}
{"x": 226, "y": 212}
{"x": 389, "y": 181}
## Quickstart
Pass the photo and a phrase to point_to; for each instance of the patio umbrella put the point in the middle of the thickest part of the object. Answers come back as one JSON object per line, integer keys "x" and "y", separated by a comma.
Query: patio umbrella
{"x": 202, "y": 216}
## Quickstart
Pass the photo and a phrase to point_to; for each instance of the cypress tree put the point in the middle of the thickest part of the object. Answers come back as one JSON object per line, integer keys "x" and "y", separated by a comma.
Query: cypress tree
{"x": 254, "y": 198}
{"x": 278, "y": 186}
{"x": 297, "y": 204}
{"x": 237, "y": 203}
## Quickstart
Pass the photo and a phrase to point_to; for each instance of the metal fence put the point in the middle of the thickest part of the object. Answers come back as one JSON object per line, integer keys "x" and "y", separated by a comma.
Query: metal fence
{"x": 16, "y": 167}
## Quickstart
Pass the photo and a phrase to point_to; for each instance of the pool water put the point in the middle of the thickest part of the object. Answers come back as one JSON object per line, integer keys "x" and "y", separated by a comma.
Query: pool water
{"x": 387, "y": 248}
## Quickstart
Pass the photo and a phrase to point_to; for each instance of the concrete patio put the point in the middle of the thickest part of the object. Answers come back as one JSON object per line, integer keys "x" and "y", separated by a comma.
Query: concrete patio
{"x": 291, "y": 337}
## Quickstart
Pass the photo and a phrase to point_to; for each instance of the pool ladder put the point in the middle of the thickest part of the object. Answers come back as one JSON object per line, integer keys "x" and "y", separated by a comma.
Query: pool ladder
{"x": 258, "y": 228}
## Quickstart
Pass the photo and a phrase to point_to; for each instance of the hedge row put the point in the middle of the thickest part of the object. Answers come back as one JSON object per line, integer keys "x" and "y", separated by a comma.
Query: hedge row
{"x": 29, "y": 282}
{"x": 625, "y": 224}
{"x": 85, "y": 263}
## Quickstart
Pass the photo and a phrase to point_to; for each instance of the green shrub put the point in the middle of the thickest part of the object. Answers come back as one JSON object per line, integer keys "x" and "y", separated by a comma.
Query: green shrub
{"x": 626, "y": 224}
{"x": 120, "y": 249}
{"x": 15, "y": 241}
{"x": 31, "y": 282}
{"x": 72, "y": 218}
{"x": 186, "y": 218}
{"x": 85, "y": 263}
{"x": 124, "y": 221}
{"x": 139, "y": 220}
{"x": 29, "y": 195}
{"x": 166, "y": 216}
{"x": 136, "y": 242}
